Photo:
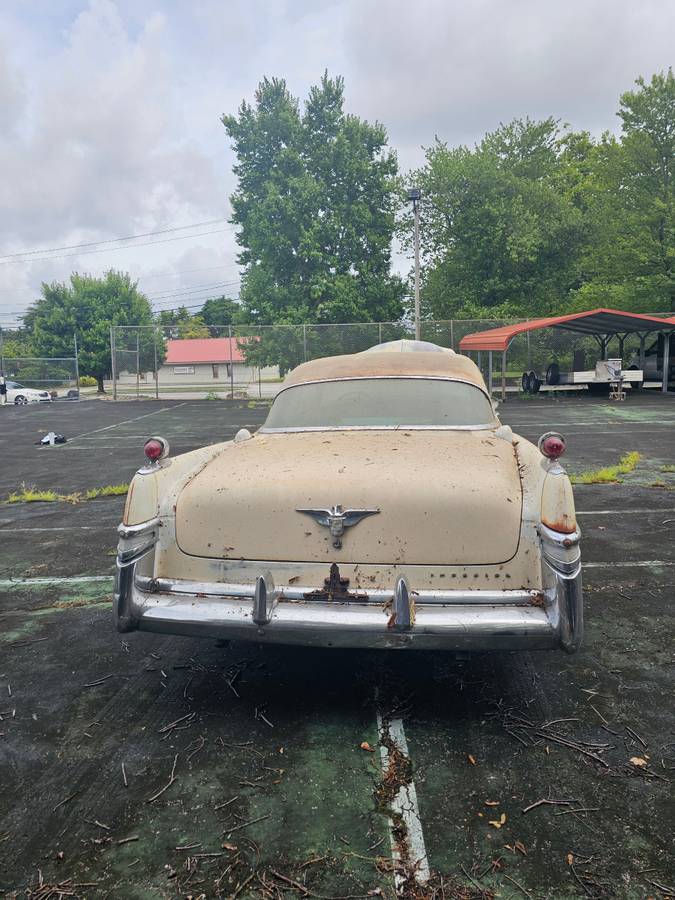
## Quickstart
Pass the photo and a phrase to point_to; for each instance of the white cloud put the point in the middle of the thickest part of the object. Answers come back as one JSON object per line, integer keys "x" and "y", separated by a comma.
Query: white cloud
{"x": 111, "y": 107}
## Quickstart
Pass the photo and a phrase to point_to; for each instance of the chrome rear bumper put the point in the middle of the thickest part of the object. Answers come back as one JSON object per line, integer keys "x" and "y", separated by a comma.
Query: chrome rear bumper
{"x": 395, "y": 619}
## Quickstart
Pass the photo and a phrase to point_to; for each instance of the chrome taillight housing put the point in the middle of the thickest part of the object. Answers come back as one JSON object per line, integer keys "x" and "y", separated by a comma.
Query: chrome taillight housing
{"x": 552, "y": 445}
{"x": 156, "y": 448}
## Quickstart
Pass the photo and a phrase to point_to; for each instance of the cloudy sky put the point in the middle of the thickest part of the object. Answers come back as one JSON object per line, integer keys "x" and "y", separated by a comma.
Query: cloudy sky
{"x": 111, "y": 109}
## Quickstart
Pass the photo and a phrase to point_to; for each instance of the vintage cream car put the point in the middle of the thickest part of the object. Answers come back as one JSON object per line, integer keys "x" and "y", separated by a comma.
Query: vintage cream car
{"x": 382, "y": 504}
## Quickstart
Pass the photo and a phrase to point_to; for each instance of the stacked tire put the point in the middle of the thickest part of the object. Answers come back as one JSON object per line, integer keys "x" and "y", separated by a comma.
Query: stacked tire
{"x": 529, "y": 383}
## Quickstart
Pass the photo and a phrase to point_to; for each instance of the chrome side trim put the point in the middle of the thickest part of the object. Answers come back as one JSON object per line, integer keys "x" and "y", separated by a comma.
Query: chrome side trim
{"x": 136, "y": 540}
{"x": 561, "y": 551}
{"x": 296, "y": 429}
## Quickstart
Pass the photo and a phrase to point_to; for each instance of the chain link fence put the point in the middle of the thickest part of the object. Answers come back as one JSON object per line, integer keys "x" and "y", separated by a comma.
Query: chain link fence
{"x": 59, "y": 377}
{"x": 224, "y": 362}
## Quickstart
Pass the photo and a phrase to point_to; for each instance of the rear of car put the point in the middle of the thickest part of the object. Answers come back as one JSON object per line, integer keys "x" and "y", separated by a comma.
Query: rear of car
{"x": 384, "y": 506}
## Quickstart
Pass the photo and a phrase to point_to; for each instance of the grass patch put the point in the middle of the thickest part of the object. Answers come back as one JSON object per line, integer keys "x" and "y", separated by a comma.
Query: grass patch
{"x": 110, "y": 490}
{"x": 668, "y": 468}
{"x": 609, "y": 474}
{"x": 31, "y": 494}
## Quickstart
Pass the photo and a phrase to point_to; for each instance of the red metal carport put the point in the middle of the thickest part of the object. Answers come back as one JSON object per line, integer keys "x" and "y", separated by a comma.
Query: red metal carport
{"x": 602, "y": 324}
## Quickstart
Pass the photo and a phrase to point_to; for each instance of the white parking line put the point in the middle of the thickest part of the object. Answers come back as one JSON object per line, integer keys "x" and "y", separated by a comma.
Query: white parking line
{"x": 34, "y": 582}
{"x": 622, "y": 422}
{"x": 627, "y": 564}
{"x": 100, "y": 527}
{"x": 404, "y": 805}
{"x": 126, "y": 421}
{"x": 625, "y": 512}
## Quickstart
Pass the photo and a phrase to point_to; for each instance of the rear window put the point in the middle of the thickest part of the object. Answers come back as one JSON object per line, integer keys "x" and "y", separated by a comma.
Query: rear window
{"x": 381, "y": 403}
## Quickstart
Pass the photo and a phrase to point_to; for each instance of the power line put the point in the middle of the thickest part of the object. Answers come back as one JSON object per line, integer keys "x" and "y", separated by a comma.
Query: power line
{"x": 183, "y": 272}
{"x": 196, "y": 290}
{"x": 9, "y": 262}
{"x": 131, "y": 237}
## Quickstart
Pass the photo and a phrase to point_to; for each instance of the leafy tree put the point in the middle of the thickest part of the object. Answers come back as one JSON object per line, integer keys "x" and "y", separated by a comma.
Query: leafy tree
{"x": 315, "y": 207}
{"x": 180, "y": 324}
{"x": 15, "y": 344}
{"x": 87, "y": 307}
{"x": 501, "y": 231}
{"x": 220, "y": 311}
{"x": 631, "y": 198}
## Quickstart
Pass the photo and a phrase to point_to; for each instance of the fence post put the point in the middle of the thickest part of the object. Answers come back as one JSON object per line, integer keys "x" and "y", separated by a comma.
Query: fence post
{"x": 379, "y": 332}
{"x": 304, "y": 342}
{"x": 452, "y": 334}
{"x": 229, "y": 331}
{"x": 113, "y": 365}
{"x": 666, "y": 362}
{"x": 503, "y": 376}
{"x": 154, "y": 343}
{"x": 138, "y": 366}
{"x": 2, "y": 353}
{"x": 77, "y": 366}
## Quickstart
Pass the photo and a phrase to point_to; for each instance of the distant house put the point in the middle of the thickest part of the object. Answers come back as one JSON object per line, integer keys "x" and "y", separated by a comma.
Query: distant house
{"x": 204, "y": 361}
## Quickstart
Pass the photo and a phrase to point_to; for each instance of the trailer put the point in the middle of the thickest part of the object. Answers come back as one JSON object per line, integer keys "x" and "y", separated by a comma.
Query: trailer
{"x": 607, "y": 372}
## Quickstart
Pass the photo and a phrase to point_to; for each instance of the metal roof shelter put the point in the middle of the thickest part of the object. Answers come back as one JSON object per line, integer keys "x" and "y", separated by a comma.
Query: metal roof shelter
{"x": 602, "y": 324}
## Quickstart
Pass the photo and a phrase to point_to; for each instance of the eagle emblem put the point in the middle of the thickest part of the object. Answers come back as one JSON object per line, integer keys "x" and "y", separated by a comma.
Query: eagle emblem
{"x": 336, "y": 519}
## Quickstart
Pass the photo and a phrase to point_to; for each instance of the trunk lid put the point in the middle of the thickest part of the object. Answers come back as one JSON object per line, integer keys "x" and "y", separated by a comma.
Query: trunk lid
{"x": 444, "y": 498}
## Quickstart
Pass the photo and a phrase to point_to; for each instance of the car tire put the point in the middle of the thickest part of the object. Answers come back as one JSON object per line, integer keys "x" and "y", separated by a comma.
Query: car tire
{"x": 525, "y": 383}
{"x": 20, "y": 400}
{"x": 553, "y": 374}
{"x": 531, "y": 379}
{"x": 536, "y": 384}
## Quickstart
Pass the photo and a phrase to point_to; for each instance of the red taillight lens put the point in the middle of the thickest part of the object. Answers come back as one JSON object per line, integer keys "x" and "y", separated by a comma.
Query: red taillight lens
{"x": 552, "y": 444}
{"x": 154, "y": 449}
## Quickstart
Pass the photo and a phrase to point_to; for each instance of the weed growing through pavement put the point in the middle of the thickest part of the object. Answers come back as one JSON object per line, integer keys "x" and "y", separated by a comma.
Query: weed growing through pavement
{"x": 609, "y": 474}
{"x": 31, "y": 494}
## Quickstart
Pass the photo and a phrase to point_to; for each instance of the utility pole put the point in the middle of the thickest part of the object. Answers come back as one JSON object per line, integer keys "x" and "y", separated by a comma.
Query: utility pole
{"x": 415, "y": 195}
{"x": 77, "y": 365}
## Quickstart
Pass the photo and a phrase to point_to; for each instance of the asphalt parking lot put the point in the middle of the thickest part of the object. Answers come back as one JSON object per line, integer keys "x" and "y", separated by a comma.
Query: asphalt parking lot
{"x": 138, "y": 766}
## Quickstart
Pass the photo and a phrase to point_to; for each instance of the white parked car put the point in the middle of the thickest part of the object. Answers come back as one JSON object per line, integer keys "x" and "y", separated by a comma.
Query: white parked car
{"x": 382, "y": 504}
{"x": 18, "y": 394}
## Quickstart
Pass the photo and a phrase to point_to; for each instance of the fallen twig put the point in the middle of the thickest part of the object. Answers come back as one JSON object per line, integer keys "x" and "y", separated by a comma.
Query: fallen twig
{"x": 517, "y": 884}
{"x": 172, "y": 778}
{"x": 67, "y": 800}
{"x": 636, "y": 736}
{"x": 100, "y": 681}
{"x": 295, "y": 884}
{"x": 245, "y": 824}
{"x": 547, "y": 802}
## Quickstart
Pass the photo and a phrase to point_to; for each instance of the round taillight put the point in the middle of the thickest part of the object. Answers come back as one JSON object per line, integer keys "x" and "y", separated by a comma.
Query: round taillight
{"x": 552, "y": 444}
{"x": 156, "y": 448}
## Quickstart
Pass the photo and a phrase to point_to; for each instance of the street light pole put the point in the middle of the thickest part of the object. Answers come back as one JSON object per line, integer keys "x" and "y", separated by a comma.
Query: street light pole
{"x": 415, "y": 195}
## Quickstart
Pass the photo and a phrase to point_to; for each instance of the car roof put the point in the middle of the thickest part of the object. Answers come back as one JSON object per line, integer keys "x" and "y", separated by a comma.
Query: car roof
{"x": 383, "y": 362}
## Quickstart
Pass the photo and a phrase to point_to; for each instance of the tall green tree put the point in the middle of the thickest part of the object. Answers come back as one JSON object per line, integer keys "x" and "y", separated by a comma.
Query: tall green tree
{"x": 219, "y": 311}
{"x": 630, "y": 263}
{"x": 87, "y": 307}
{"x": 315, "y": 207}
{"x": 502, "y": 232}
